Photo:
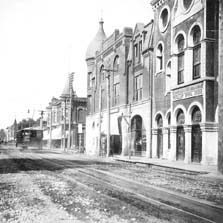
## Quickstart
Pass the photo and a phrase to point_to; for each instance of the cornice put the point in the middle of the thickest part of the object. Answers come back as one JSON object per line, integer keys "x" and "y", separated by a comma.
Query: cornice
{"x": 157, "y": 4}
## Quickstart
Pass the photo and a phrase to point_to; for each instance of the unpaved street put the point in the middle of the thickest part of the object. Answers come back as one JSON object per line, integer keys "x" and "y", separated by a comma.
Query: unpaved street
{"x": 47, "y": 186}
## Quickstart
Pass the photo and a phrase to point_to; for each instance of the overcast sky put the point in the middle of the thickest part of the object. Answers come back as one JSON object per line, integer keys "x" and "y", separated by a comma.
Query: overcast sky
{"x": 41, "y": 41}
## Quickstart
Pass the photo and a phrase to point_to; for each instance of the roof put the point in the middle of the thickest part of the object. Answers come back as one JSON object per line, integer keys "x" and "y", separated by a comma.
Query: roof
{"x": 96, "y": 43}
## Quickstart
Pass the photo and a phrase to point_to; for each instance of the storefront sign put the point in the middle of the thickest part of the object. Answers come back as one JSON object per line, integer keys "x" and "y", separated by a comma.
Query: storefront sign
{"x": 188, "y": 92}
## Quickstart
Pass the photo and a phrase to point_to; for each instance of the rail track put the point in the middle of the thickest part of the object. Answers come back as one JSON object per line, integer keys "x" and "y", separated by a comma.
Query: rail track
{"x": 158, "y": 202}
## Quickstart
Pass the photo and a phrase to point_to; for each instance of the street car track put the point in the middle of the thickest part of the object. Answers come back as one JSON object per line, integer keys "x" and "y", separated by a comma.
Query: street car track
{"x": 99, "y": 176}
{"x": 92, "y": 178}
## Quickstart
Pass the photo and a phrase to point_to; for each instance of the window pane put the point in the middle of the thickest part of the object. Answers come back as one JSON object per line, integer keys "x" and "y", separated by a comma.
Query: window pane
{"x": 196, "y": 62}
{"x": 197, "y": 55}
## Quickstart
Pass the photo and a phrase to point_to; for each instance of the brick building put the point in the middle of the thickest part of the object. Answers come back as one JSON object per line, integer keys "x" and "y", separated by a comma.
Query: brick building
{"x": 56, "y": 133}
{"x": 166, "y": 73}
{"x": 119, "y": 63}
{"x": 185, "y": 80}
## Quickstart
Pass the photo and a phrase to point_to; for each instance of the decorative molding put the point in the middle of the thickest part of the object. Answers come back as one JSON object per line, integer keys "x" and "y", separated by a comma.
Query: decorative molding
{"x": 158, "y": 4}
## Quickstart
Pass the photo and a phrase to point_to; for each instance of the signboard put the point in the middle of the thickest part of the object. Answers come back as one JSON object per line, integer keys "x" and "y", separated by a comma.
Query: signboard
{"x": 188, "y": 92}
{"x": 80, "y": 128}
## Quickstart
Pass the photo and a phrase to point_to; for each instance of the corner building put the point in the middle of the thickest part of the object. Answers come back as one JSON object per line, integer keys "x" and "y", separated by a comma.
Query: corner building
{"x": 185, "y": 80}
{"x": 119, "y": 91}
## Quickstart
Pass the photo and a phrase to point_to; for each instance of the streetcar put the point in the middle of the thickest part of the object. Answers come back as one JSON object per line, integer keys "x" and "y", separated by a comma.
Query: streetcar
{"x": 29, "y": 137}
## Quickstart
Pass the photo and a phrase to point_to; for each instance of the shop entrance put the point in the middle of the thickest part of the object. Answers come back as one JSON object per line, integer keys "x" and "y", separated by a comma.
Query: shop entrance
{"x": 196, "y": 140}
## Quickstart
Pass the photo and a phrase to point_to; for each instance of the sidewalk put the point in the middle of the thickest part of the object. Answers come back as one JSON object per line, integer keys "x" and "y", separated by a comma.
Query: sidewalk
{"x": 176, "y": 165}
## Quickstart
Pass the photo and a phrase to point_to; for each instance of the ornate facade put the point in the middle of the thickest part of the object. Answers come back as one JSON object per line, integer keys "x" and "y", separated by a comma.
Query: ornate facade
{"x": 185, "y": 80}
{"x": 163, "y": 83}
{"x": 118, "y": 91}
{"x": 57, "y": 131}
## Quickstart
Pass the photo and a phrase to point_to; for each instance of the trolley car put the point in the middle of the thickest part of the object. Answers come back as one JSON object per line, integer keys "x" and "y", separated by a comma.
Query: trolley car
{"x": 29, "y": 137}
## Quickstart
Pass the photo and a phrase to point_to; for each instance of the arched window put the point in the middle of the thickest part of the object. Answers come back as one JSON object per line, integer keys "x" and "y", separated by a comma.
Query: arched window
{"x": 116, "y": 83}
{"x": 116, "y": 65}
{"x": 168, "y": 76}
{"x": 159, "y": 58}
{"x": 159, "y": 121}
{"x": 187, "y": 3}
{"x": 180, "y": 117}
{"x": 180, "y": 47}
{"x": 102, "y": 73}
{"x": 196, "y": 115}
{"x": 196, "y": 35}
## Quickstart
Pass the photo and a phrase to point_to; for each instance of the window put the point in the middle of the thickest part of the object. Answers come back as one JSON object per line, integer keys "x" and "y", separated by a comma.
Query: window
{"x": 136, "y": 50}
{"x": 159, "y": 121}
{"x": 180, "y": 117}
{"x": 168, "y": 76}
{"x": 187, "y": 3}
{"x": 159, "y": 57}
{"x": 181, "y": 68}
{"x": 180, "y": 45}
{"x": 138, "y": 87}
{"x": 140, "y": 51}
{"x": 196, "y": 32}
{"x": 116, "y": 93}
{"x": 102, "y": 73}
{"x": 196, "y": 115}
{"x": 196, "y": 61}
{"x": 54, "y": 117}
{"x": 116, "y": 65}
{"x": 103, "y": 99}
{"x": 89, "y": 104}
{"x": 164, "y": 19}
{"x": 58, "y": 115}
{"x": 81, "y": 115}
{"x": 93, "y": 82}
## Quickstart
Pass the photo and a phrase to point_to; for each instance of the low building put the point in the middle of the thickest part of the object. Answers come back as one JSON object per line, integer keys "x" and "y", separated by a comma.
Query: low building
{"x": 58, "y": 111}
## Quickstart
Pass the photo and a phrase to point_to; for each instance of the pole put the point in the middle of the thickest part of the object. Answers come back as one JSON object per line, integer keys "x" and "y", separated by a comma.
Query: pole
{"x": 220, "y": 89}
{"x": 64, "y": 133}
{"x": 71, "y": 75}
{"x": 99, "y": 128}
{"x": 108, "y": 113}
{"x": 69, "y": 131}
{"x": 50, "y": 139}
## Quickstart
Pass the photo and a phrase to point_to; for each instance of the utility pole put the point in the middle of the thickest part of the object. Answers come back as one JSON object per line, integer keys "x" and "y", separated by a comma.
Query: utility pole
{"x": 220, "y": 89}
{"x": 50, "y": 136}
{"x": 99, "y": 128}
{"x": 64, "y": 130}
{"x": 71, "y": 77}
{"x": 108, "y": 108}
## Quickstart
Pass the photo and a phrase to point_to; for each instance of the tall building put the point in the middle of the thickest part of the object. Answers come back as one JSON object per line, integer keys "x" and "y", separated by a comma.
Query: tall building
{"x": 119, "y": 91}
{"x": 58, "y": 111}
{"x": 163, "y": 84}
{"x": 185, "y": 112}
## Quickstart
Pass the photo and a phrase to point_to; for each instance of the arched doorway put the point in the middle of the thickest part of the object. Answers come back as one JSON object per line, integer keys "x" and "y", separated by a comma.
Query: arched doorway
{"x": 196, "y": 139}
{"x": 159, "y": 121}
{"x": 137, "y": 135}
{"x": 180, "y": 136}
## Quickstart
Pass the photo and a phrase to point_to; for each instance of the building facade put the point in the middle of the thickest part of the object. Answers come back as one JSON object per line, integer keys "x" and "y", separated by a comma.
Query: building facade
{"x": 58, "y": 111}
{"x": 163, "y": 84}
{"x": 185, "y": 81}
{"x": 119, "y": 91}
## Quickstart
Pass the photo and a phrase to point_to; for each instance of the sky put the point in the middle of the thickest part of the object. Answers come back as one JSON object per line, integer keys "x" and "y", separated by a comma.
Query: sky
{"x": 41, "y": 41}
